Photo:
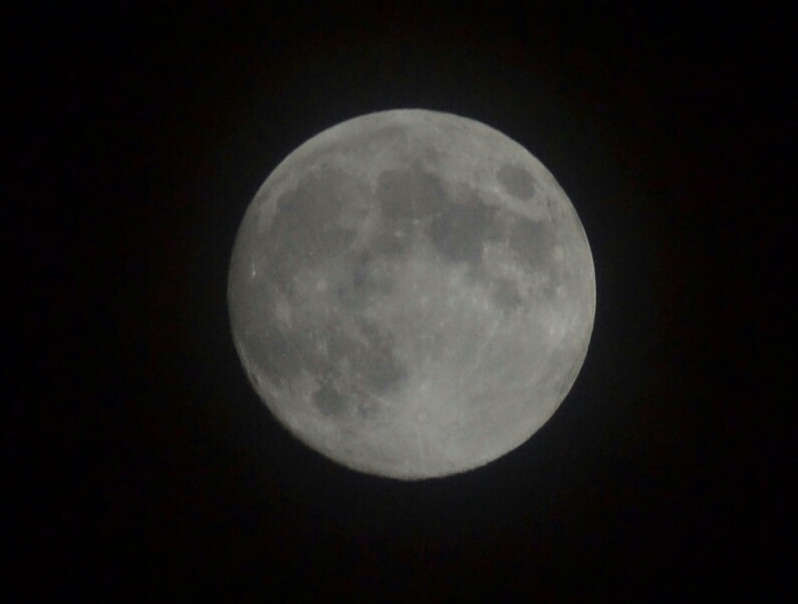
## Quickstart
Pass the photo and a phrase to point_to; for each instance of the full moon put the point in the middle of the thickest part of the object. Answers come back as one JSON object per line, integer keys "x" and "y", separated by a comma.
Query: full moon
{"x": 411, "y": 294}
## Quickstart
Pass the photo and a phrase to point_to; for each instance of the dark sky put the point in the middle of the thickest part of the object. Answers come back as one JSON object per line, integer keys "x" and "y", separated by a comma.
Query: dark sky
{"x": 138, "y": 459}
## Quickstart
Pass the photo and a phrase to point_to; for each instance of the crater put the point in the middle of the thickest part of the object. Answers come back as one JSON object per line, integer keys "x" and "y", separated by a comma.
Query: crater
{"x": 516, "y": 181}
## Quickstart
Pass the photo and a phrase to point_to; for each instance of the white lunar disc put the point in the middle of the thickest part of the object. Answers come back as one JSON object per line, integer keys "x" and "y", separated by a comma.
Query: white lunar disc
{"x": 411, "y": 293}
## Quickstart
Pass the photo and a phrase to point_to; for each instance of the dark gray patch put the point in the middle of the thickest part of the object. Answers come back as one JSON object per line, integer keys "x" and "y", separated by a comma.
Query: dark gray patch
{"x": 408, "y": 194}
{"x": 360, "y": 271}
{"x": 390, "y": 242}
{"x": 366, "y": 408}
{"x": 386, "y": 373}
{"x": 374, "y": 273}
{"x": 272, "y": 353}
{"x": 304, "y": 228}
{"x": 312, "y": 359}
{"x": 432, "y": 155}
{"x": 516, "y": 181}
{"x": 383, "y": 371}
{"x": 532, "y": 241}
{"x": 363, "y": 281}
{"x": 279, "y": 356}
{"x": 329, "y": 401}
{"x": 355, "y": 284}
{"x": 372, "y": 362}
{"x": 504, "y": 293}
{"x": 459, "y": 230}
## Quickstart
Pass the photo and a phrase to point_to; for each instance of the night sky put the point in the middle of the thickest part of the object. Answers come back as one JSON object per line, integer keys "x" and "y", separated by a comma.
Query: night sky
{"x": 140, "y": 462}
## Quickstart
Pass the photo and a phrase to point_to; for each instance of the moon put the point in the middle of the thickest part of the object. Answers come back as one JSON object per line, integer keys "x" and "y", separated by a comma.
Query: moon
{"x": 411, "y": 294}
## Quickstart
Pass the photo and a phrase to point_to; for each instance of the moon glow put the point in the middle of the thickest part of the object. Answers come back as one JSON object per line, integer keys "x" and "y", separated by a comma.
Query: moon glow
{"x": 411, "y": 293}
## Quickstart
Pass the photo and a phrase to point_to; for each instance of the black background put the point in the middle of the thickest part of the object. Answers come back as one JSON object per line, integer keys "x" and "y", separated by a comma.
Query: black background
{"x": 138, "y": 459}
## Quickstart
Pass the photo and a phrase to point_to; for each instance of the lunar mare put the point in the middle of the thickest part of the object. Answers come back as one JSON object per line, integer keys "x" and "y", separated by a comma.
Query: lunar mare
{"x": 411, "y": 293}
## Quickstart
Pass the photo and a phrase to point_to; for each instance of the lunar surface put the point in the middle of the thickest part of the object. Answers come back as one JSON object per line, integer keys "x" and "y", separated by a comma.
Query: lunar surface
{"x": 411, "y": 293}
